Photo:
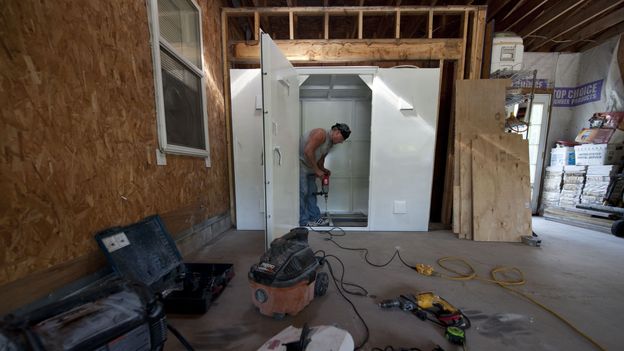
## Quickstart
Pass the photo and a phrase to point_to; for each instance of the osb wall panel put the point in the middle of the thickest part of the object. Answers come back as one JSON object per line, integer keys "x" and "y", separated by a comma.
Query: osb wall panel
{"x": 78, "y": 131}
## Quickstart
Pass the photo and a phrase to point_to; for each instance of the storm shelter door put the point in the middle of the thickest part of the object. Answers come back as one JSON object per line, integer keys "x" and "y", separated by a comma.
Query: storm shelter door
{"x": 280, "y": 124}
{"x": 403, "y": 137}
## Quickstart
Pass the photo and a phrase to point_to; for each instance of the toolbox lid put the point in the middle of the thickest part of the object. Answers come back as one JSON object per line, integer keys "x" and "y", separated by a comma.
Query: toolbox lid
{"x": 144, "y": 252}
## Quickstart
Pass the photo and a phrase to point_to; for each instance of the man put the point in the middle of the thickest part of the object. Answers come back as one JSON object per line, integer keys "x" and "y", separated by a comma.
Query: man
{"x": 314, "y": 147}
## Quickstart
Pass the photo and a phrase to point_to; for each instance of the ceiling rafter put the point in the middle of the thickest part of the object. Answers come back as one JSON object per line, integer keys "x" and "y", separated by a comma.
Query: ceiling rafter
{"x": 582, "y": 16}
{"x": 494, "y": 7}
{"x": 549, "y": 15}
{"x": 601, "y": 37}
{"x": 523, "y": 12}
{"x": 593, "y": 28}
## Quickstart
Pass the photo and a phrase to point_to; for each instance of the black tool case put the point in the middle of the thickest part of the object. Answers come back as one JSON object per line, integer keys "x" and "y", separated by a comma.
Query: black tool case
{"x": 203, "y": 283}
{"x": 145, "y": 252}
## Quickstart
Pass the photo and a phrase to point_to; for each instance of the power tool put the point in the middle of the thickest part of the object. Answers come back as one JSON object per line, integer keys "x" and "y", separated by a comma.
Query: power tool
{"x": 427, "y": 303}
{"x": 324, "y": 190}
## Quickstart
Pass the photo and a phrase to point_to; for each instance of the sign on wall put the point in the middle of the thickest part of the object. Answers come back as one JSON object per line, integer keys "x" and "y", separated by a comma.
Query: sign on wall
{"x": 583, "y": 94}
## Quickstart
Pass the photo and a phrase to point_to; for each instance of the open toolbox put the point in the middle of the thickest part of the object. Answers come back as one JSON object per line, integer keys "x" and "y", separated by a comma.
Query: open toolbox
{"x": 145, "y": 252}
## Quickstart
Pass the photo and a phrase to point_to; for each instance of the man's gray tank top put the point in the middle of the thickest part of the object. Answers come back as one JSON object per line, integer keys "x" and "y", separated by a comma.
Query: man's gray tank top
{"x": 320, "y": 151}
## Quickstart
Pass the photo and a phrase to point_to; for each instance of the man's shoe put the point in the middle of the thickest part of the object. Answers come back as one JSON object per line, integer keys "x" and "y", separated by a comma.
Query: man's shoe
{"x": 321, "y": 222}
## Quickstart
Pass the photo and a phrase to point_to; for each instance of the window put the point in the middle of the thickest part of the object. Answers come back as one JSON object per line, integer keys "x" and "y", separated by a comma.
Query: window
{"x": 179, "y": 77}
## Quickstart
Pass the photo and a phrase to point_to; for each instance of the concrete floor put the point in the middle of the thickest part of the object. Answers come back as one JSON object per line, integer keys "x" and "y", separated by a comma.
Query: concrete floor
{"x": 577, "y": 272}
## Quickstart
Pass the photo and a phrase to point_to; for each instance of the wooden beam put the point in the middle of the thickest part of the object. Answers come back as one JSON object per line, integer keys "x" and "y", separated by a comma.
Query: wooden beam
{"x": 584, "y": 15}
{"x": 549, "y": 15}
{"x": 430, "y": 23}
{"x": 354, "y": 51}
{"x": 594, "y": 28}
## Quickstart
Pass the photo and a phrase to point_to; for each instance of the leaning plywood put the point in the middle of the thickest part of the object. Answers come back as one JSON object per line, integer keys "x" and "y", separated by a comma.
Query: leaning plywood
{"x": 501, "y": 188}
{"x": 479, "y": 109}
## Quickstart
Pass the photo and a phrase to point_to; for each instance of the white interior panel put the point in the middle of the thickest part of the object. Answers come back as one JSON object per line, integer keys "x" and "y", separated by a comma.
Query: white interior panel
{"x": 281, "y": 128}
{"x": 339, "y": 200}
{"x": 247, "y": 136}
{"x": 349, "y": 161}
{"x": 403, "y": 147}
{"x": 360, "y": 195}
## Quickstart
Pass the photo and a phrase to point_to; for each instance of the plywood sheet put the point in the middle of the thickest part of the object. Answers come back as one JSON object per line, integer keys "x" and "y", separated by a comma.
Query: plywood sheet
{"x": 501, "y": 188}
{"x": 78, "y": 131}
{"x": 479, "y": 109}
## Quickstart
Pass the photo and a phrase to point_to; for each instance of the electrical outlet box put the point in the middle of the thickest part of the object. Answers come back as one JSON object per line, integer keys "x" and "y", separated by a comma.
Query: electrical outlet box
{"x": 400, "y": 207}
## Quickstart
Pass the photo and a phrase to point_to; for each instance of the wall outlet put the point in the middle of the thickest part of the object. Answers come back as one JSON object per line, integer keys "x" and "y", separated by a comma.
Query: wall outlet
{"x": 400, "y": 207}
{"x": 161, "y": 158}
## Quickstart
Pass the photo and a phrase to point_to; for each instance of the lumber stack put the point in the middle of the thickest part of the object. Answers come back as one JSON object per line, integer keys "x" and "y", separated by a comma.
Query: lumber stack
{"x": 573, "y": 181}
{"x": 597, "y": 182}
{"x": 551, "y": 187}
{"x": 492, "y": 195}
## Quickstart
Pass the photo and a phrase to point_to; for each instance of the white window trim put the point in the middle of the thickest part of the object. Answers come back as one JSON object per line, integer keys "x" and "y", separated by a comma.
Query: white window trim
{"x": 157, "y": 42}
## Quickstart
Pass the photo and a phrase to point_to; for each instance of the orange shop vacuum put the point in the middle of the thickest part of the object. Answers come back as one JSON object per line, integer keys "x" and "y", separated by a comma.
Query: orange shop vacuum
{"x": 288, "y": 276}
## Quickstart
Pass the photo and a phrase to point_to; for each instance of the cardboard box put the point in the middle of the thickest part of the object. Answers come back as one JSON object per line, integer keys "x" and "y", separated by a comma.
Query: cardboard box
{"x": 562, "y": 156}
{"x": 600, "y": 136}
{"x": 598, "y": 154}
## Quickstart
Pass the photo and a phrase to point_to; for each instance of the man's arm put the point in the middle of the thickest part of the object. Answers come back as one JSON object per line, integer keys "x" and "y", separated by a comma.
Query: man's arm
{"x": 321, "y": 165}
{"x": 316, "y": 139}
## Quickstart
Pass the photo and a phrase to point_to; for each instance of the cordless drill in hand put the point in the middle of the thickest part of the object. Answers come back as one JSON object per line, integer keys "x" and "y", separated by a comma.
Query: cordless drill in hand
{"x": 324, "y": 186}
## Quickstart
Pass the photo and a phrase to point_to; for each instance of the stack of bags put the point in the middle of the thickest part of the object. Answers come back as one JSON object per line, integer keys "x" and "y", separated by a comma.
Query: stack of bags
{"x": 573, "y": 181}
{"x": 596, "y": 184}
{"x": 551, "y": 190}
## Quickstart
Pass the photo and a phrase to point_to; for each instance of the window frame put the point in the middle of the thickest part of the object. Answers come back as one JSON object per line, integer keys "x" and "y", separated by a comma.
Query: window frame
{"x": 158, "y": 43}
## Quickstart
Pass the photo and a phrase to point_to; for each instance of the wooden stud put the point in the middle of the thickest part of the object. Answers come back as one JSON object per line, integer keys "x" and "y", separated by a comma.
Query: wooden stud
{"x": 430, "y": 30}
{"x": 291, "y": 25}
{"x": 350, "y": 51}
{"x": 462, "y": 60}
{"x": 360, "y": 23}
{"x": 228, "y": 121}
{"x": 326, "y": 28}
{"x": 397, "y": 29}
{"x": 487, "y": 50}
{"x": 476, "y": 54}
{"x": 256, "y": 25}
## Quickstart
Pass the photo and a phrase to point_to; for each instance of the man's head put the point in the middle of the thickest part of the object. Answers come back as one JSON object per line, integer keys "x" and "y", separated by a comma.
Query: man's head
{"x": 339, "y": 133}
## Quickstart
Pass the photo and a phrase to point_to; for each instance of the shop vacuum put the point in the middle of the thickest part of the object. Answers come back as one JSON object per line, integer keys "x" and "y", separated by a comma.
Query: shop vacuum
{"x": 288, "y": 276}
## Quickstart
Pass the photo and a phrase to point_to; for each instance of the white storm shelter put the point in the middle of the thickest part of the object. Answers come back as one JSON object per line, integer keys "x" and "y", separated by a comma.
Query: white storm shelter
{"x": 382, "y": 174}
{"x": 327, "y": 99}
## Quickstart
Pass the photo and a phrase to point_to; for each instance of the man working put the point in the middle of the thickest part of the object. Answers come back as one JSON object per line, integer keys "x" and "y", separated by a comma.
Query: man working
{"x": 315, "y": 145}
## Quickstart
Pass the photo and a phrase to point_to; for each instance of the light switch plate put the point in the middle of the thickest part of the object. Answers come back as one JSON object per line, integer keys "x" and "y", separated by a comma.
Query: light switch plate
{"x": 400, "y": 207}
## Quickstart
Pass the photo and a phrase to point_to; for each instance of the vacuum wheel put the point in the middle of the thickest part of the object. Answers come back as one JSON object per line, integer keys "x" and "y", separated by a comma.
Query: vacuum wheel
{"x": 617, "y": 228}
{"x": 321, "y": 284}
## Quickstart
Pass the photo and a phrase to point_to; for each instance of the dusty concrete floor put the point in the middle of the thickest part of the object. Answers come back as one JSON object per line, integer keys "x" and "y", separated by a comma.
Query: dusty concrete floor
{"x": 577, "y": 272}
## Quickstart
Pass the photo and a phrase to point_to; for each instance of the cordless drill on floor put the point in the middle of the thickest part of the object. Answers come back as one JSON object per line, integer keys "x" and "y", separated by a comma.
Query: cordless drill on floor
{"x": 445, "y": 315}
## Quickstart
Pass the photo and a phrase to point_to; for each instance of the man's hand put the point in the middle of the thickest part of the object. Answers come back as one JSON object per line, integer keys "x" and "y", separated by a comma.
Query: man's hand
{"x": 327, "y": 171}
{"x": 319, "y": 173}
